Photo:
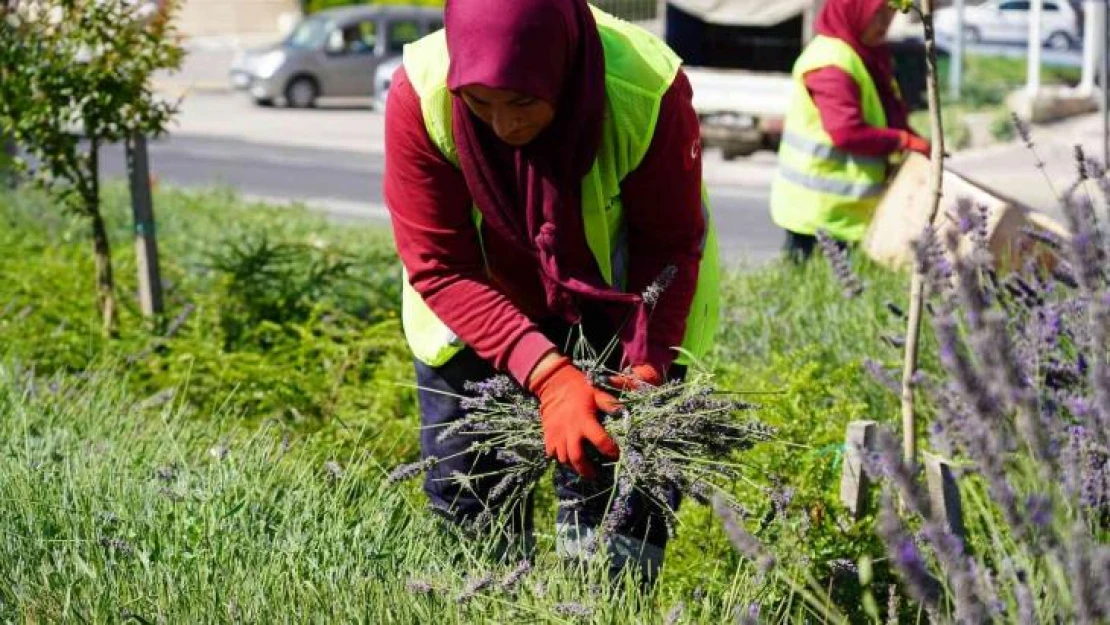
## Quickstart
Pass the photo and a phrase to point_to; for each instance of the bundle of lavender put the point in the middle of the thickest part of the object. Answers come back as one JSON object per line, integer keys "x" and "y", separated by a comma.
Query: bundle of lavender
{"x": 681, "y": 436}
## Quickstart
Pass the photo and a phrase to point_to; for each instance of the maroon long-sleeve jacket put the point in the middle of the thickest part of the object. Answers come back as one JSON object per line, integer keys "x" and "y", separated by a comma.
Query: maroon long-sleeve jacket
{"x": 496, "y": 311}
{"x": 837, "y": 97}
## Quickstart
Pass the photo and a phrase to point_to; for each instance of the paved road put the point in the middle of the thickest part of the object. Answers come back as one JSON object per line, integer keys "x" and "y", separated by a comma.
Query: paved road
{"x": 331, "y": 159}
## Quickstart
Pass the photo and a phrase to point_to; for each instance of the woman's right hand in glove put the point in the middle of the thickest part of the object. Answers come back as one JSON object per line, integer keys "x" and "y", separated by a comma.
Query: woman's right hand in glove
{"x": 569, "y": 407}
{"x": 913, "y": 143}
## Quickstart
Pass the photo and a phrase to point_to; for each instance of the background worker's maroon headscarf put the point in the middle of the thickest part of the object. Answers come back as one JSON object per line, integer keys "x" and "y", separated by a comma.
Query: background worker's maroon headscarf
{"x": 548, "y": 49}
{"x": 847, "y": 20}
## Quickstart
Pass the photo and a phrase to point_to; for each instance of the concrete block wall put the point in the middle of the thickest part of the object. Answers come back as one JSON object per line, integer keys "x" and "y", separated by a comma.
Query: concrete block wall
{"x": 218, "y": 18}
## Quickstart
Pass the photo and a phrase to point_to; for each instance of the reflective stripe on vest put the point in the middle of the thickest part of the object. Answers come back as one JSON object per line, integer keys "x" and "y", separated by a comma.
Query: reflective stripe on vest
{"x": 818, "y": 186}
{"x": 639, "y": 71}
{"x": 856, "y": 190}
{"x": 826, "y": 151}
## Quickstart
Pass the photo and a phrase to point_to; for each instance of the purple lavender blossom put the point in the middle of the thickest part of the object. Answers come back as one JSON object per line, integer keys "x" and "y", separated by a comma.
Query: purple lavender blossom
{"x": 407, "y": 472}
{"x": 572, "y": 609}
{"x": 674, "y": 615}
{"x": 513, "y": 578}
{"x": 746, "y": 544}
{"x": 116, "y": 546}
{"x": 1039, "y": 510}
{"x": 621, "y": 509}
{"x": 473, "y": 587}
{"x": 751, "y": 615}
{"x": 655, "y": 290}
{"x": 881, "y": 375}
{"x": 907, "y": 557}
{"x": 838, "y": 258}
{"x": 1027, "y": 611}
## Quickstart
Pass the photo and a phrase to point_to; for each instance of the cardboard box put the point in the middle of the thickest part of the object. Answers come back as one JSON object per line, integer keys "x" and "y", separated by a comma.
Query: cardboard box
{"x": 901, "y": 218}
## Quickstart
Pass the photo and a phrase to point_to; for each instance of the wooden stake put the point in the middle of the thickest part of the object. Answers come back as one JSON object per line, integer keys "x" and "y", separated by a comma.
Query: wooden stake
{"x": 855, "y": 486}
{"x": 944, "y": 494}
{"x": 917, "y": 284}
{"x": 146, "y": 242}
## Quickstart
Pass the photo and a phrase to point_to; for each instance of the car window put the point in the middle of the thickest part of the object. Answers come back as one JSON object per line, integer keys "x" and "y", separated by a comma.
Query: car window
{"x": 1051, "y": 6}
{"x": 1015, "y": 6}
{"x": 402, "y": 32}
{"x": 357, "y": 38}
{"x": 310, "y": 34}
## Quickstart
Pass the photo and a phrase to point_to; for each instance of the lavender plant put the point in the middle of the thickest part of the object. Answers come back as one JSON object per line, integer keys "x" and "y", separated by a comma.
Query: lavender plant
{"x": 1022, "y": 406}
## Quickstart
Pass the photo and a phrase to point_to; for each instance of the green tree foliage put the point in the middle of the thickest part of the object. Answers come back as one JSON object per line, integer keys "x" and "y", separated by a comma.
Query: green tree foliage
{"x": 75, "y": 75}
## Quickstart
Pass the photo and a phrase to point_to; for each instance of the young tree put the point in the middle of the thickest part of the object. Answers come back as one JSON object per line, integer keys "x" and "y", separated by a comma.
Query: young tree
{"x": 926, "y": 11}
{"x": 75, "y": 75}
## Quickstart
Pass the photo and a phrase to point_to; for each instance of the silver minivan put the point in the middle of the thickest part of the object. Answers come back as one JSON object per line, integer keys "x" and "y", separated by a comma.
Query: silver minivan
{"x": 333, "y": 53}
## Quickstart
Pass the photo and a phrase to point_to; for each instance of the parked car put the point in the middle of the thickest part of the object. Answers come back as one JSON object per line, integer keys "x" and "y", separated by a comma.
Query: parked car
{"x": 331, "y": 53}
{"x": 1007, "y": 21}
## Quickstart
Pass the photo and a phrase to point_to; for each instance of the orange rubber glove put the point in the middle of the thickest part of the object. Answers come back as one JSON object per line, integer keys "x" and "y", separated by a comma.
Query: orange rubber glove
{"x": 636, "y": 377}
{"x": 913, "y": 143}
{"x": 568, "y": 412}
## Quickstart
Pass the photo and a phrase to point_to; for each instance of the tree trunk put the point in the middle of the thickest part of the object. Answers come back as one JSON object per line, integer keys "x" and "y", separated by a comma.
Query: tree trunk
{"x": 102, "y": 250}
{"x": 917, "y": 284}
{"x": 105, "y": 285}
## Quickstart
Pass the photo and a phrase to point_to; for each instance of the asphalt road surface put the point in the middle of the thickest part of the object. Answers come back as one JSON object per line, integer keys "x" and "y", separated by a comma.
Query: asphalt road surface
{"x": 331, "y": 160}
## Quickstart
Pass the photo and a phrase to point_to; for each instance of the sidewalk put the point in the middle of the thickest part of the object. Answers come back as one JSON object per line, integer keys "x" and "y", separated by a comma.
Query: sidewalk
{"x": 207, "y": 61}
{"x": 1011, "y": 168}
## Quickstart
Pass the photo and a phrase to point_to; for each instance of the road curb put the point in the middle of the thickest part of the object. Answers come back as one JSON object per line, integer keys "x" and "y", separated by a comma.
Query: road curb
{"x": 196, "y": 86}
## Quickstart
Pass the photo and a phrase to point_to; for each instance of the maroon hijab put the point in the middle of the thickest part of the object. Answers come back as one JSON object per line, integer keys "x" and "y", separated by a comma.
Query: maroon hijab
{"x": 847, "y": 20}
{"x": 547, "y": 49}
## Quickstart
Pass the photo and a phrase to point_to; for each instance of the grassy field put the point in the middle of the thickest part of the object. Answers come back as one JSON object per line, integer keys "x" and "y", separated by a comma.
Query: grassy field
{"x": 234, "y": 471}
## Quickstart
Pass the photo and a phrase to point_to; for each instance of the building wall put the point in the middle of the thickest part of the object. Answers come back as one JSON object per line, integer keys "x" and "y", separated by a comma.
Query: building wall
{"x": 205, "y": 18}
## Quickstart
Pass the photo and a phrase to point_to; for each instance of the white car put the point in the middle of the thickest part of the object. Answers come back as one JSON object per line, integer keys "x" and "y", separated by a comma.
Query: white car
{"x": 1007, "y": 21}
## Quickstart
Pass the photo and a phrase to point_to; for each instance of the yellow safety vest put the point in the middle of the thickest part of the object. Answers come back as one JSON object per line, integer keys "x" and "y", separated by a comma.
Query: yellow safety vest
{"x": 639, "y": 69}
{"x": 819, "y": 187}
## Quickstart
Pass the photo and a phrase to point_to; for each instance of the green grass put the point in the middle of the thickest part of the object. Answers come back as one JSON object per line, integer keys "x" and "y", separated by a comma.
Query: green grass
{"x": 109, "y": 509}
{"x": 265, "y": 533}
{"x": 989, "y": 79}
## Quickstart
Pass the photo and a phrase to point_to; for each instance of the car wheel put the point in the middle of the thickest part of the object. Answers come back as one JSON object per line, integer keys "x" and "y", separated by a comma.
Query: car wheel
{"x": 301, "y": 93}
{"x": 1059, "y": 40}
{"x": 972, "y": 35}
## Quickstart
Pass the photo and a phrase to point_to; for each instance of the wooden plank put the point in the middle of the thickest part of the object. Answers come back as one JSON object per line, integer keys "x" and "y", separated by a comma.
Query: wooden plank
{"x": 902, "y": 216}
{"x": 944, "y": 494}
{"x": 855, "y": 485}
{"x": 146, "y": 242}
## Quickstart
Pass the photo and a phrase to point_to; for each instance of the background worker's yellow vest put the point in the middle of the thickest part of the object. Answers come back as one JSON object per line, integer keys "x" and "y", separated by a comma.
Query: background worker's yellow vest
{"x": 819, "y": 187}
{"x": 639, "y": 69}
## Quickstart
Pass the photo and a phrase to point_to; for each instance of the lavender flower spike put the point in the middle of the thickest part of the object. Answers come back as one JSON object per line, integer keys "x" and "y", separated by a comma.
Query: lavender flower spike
{"x": 655, "y": 290}
{"x": 475, "y": 586}
{"x": 574, "y": 609}
{"x": 512, "y": 579}
{"x": 741, "y": 540}
{"x": 838, "y": 258}
{"x": 407, "y": 472}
